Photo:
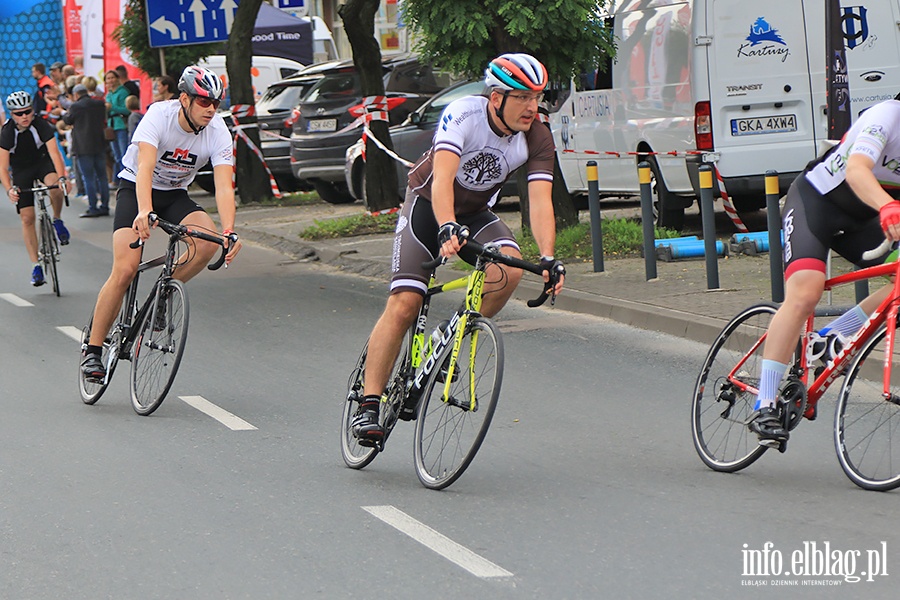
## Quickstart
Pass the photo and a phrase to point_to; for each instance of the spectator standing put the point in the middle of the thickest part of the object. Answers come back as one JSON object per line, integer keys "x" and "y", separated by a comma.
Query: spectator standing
{"x": 133, "y": 104}
{"x": 118, "y": 115}
{"x": 132, "y": 86}
{"x": 87, "y": 116}
{"x": 164, "y": 88}
{"x": 39, "y": 101}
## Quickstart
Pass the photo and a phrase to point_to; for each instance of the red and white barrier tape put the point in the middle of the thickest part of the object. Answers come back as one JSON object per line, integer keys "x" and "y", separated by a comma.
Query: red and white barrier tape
{"x": 728, "y": 205}
{"x": 242, "y": 111}
{"x": 611, "y": 154}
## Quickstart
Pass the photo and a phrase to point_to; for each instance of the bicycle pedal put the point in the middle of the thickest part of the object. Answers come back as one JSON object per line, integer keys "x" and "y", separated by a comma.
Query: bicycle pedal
{"x": 407, "y": 413}
{"x": 782, "y": 446}
{"x": 770, "y": 443}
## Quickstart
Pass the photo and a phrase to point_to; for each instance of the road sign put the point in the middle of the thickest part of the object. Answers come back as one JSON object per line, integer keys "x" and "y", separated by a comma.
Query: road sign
{"x": 184, "y": 22}
{"x": 298, "y": 8}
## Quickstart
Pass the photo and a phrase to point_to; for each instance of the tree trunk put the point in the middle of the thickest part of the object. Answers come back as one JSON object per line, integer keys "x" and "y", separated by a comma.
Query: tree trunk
{"x": 564, "y": 210}
{"x": 381, "y": 174}
{"x": 252, "y": 180}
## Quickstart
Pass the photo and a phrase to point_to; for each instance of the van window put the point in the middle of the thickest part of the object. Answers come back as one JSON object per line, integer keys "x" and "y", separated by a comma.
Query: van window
{"x": 600, "y": 78}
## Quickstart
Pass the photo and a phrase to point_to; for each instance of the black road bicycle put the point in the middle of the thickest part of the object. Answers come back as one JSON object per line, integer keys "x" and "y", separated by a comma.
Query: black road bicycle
{"x": 448, "y": 383}
{"x": 151, "y": 335}
{"x": 48, "y": 244}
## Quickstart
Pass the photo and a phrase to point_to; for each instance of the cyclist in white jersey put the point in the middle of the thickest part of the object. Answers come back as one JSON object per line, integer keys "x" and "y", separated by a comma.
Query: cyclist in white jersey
{"x": 478, "y": 143}
{"x": 843, "y": 201}
{"x": 172, "y": 142}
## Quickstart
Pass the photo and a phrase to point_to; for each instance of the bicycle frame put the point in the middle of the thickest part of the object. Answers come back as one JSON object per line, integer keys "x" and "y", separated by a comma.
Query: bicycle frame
{"x": 886, "y": 313}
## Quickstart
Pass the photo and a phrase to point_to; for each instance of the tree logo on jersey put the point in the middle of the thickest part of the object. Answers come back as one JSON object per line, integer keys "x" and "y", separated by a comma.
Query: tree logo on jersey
{"x": 180, "y": 156}
{"x": 483, "y": 170}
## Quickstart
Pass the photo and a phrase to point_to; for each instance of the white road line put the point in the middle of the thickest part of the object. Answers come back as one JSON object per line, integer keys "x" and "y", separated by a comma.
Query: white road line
{"x": 219, "y": 414}
{"x": 431, "y": 539}
{"x": 72, "y": 332}
{"x": 15, "y": 300}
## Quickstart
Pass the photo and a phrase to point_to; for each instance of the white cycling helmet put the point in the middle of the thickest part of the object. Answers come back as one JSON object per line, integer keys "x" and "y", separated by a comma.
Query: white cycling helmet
{"x": 18, "y": 100}
{"x": 516, "y": 72}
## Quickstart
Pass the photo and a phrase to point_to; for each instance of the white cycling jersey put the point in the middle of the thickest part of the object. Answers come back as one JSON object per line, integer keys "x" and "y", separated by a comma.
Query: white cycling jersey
{"x": 876, "y": 134}
{"x": 179, "y": 153}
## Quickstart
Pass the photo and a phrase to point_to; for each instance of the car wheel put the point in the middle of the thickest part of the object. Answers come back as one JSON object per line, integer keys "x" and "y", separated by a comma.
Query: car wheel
{"x": 332, "y": 193}
{"x": 287, "y": 183}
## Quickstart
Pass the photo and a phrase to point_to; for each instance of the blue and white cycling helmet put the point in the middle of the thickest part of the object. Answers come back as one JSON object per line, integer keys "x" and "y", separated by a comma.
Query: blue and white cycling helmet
{"x": 516, "y": 72}
{"x": 18, "y": 100}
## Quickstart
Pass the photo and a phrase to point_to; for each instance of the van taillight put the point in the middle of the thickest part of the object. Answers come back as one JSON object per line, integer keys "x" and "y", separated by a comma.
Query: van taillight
{"x": 703, "y": 126}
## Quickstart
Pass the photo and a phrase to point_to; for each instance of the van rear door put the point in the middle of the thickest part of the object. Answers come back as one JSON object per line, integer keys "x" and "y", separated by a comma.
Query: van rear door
{"x": 760, "y": 86}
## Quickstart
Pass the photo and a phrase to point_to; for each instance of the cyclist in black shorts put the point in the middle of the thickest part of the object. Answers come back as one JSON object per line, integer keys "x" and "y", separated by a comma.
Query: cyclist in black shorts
{"x": 171, "y": 143}
{"x": 843, "y": 201}
{"x": 29, "y": 153}
{"x": 479, "y": 142}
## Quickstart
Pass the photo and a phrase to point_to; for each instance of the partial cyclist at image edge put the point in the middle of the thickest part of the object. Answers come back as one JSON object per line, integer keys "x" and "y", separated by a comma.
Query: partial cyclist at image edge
{"x": 29, "y": 153}
{"x": 480, "y": 141}
{"x": 171, "y": 143}
{"x": 844, "y": 201}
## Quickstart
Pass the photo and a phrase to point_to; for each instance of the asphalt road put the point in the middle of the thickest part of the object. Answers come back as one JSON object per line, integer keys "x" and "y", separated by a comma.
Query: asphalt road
{"x": 587, "y": 486}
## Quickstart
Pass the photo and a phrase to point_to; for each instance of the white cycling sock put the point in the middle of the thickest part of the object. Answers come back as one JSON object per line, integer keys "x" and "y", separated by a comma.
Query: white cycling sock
{"x": 847, "y": 324}
{"x": 771, "y": 372}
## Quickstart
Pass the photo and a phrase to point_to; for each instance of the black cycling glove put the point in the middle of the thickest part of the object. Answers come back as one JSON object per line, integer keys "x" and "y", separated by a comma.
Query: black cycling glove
{"x": 554, "y": 267}
{"x": 449, "y": 229}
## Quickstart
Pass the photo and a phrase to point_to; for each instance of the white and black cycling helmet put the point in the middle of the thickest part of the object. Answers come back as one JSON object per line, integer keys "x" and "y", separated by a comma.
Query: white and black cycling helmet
{"x": 200, "y": 81}
{"x": 18, "y": 100}
{"x": 516, "y": 72}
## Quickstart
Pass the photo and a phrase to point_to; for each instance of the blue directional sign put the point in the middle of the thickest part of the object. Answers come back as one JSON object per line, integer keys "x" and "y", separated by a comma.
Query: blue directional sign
{"x": 294, "y": 5}
{"x": 184, "y": 22}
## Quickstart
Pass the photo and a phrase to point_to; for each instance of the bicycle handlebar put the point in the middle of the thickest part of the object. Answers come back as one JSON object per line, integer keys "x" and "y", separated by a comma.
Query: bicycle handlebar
{"x": 184, "y": 231}
{"x": 47, "y": 188}
{"x": 493, "y": 254}
{"x": 879, "y": 251}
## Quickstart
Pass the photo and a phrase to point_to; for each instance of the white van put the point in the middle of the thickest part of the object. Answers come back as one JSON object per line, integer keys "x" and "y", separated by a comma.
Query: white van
{"x": 753, "y": 73}
{"x": 265, "y": 71}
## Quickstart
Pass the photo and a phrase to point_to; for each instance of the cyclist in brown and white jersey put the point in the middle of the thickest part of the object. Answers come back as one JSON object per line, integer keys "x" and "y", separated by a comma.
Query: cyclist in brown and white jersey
{"x": 478, "y": 143}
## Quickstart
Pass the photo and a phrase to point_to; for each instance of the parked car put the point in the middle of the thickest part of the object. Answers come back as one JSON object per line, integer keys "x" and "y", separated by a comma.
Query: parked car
{"x": 328, "y": 122}
{"x": 276, "y": 112}
{"x": 411, "y": 139}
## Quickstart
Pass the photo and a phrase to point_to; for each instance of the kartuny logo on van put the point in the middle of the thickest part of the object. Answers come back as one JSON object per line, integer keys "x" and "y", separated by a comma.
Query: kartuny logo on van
{"x": 855, "y": 25}
{"x": 764, "y": 40}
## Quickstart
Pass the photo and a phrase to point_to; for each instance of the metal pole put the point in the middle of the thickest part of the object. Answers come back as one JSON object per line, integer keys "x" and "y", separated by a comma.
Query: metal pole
{"x": 773, "y": 219}
{"x": 594, "y": 204}
{"x": 647, "y": 220}
{"x": 707, "y": 211}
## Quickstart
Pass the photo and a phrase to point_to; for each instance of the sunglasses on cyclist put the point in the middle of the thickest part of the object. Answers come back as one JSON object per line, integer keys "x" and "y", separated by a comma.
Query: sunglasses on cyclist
{"x": 22, "y": 113}
{"x": 207, "y": 102}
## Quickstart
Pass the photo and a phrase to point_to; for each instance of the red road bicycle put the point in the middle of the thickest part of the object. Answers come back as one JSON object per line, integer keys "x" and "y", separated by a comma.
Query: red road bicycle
{"x": 867, "y": 415}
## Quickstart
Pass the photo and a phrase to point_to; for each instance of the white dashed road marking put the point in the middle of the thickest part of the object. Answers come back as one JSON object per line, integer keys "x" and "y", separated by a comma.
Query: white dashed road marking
{"x": 431, "y": 539}
{"x": 219, "y": 414}
{"x": 15, "y": 300}
{"x": 72, "y": 332}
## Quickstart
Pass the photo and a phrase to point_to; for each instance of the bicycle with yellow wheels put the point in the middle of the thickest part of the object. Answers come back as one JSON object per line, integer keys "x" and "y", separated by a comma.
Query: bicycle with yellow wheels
{"x": 448, "y": 382}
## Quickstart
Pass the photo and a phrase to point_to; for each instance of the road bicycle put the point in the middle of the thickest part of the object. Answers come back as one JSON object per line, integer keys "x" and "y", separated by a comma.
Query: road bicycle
{"x": 448, "y": 382}
{"x": 48, "y": 244}
{"x": 151, "y": 335}
{"x": 867, "y": 415}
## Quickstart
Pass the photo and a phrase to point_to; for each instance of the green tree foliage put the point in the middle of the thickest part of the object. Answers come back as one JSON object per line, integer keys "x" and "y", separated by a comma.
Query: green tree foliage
{"x": 132, "y": 34}
{"x": 568, "y": 36}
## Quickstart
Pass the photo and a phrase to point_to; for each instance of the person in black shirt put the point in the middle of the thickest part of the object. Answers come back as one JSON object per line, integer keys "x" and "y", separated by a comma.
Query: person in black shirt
{"x": 28, "y": 152}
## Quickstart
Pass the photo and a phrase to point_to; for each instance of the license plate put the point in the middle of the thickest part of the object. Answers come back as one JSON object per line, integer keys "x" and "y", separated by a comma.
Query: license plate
{"x": 322, "y": 125}
{"x": 758, "y": 125}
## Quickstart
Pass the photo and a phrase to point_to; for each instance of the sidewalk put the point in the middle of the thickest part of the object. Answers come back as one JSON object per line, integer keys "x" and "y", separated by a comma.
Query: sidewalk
{"x": 677, "y": 302}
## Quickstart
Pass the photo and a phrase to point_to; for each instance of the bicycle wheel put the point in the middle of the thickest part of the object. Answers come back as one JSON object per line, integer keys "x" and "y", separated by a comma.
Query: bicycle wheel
{"x": 866, "y": 424}
{"x": 450, "y": 431}
{"x": 357, "y": 456}
{"x": 49, "y": 250}
{"x": 721, "y": 409}
{"x": 158, "y": 348}
{"x": 92, "y": 390}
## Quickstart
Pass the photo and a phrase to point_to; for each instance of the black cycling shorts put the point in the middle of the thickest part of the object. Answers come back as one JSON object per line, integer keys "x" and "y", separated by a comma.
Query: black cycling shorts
{"x": 170, "y": 205}
{"x": 814, "y": 223}
{"x": 416, "y": 241}
{"x": 24, "y": 178}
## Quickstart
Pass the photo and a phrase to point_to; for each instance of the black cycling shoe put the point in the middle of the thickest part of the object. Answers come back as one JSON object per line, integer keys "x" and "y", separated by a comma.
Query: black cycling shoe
{"x": 365, "y": 426}
{"x": 768, "y": 426}
{"x": 92, "y": 368}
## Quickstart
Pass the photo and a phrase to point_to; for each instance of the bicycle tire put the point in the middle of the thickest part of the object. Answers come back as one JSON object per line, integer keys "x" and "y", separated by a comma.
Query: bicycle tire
{"x": 159, "y": 347}
{"x": 450, "y": 433}
{"x": 356, "y": 456}
{"x": 866, "y": 425}
{"x": 91, "y": 390}
{"x": 49, "y": 249}
{"x": 720, "y": 412}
